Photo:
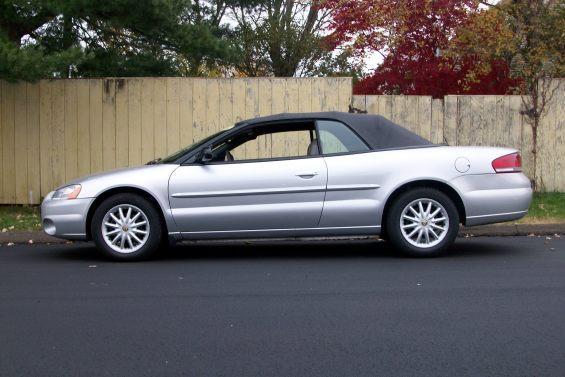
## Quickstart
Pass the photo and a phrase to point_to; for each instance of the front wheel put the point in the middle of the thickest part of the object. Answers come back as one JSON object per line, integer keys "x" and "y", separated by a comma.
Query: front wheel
{"x": 422, "y": 222}
{"x": 127, "y": 227}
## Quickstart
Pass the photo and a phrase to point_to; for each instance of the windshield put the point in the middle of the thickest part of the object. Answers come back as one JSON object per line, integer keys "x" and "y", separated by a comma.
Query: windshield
{"x": 175, "y": 156}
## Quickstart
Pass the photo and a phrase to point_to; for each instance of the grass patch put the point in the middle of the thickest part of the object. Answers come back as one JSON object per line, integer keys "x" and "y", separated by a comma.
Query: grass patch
{"x": 546, "y": 207}
{"x": 19, "y": 218}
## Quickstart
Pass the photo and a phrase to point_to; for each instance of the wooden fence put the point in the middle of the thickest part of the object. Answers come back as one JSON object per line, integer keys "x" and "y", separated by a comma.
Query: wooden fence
{"x": 56, "y": 130}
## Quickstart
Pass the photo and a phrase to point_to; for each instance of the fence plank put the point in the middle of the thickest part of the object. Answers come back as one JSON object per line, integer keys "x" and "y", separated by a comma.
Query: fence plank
{"x": 45, "y": 136}
{"x": 71, "y": 130}
{"x": 134, "y": 122}
{"x": 265, "y": 94}
{"x": 173, "y": 115}
{"x": 450, "y": 106}
{"x": 331, "y": 94}
{"x": 410, "y": 114}
{"x": 424, "y": 119}
{"x": 436, "y": 133}
{"x": 58, "y": 132}
{"x": 514, "y": 121}
{"x": 33, "y": 166}
{"x": 318, "y": 97}
{"x": 122, "y": 132}
{"x": 226, "y": 104}
{"x": 199, "y": 109}
{"x": 493, "y": 122}
{"x": 527, "y": 142}
{"x": 465, "y": 119}
{"x": 558, "y": 112}
{"x": 83, "y": 120}
{"x": 304, "y": 106}
{"x": 160, "y": 117}
{"x": 109, "y": 125}
{"x": 239, "y": 101}
{"x": 291, "y": 98}
{"x": 344, "y": 93}
{"x": 20, "y": 143}
{"x": 251, "y": 111}
{"x": 239, "y": 90}
{"x": 147, "y": 120}
{"x": 185, "y": 113}
{"x": 96, "y": 121}
{"x": 279, "y": 141}
{"x": 8, "y": 138}
{"x": 212, "y": 106}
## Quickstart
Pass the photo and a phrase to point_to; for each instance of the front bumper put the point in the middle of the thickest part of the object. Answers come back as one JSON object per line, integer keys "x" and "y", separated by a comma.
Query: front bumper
{"x": 65, "y": 218}
{"x": 494, "y": 198}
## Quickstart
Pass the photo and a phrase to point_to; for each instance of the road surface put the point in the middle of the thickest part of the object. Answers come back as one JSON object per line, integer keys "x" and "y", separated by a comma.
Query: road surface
{"x": 493, "y": 307}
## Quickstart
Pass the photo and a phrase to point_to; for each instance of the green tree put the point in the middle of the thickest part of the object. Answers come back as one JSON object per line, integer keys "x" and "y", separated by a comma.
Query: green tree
{"x": 285, "y": 38}
{"x": 62, "y": 38}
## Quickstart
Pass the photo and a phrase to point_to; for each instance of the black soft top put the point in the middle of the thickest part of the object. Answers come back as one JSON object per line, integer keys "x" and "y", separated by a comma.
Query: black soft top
{"x": 377, "y": 131}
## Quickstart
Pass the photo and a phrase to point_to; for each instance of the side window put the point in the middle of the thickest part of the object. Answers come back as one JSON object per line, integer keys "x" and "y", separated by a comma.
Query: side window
{"x": 274, "y": 145}
{"x": 268, "y": 142}
{"x": 335, "y": 137}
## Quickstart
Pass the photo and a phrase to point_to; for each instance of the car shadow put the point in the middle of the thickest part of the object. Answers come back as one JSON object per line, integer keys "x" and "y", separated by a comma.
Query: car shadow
{"x": 285, "y": 249}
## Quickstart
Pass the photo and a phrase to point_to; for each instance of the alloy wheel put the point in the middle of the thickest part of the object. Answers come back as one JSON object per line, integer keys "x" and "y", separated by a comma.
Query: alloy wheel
{"x": 424, "y": 223}
{"x": 125, "y": 228}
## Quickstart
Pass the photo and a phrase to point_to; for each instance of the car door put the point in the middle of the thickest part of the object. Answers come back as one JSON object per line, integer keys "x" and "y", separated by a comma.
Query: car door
{"x": 352, "y": 204}
{"x": 253, "y": 197}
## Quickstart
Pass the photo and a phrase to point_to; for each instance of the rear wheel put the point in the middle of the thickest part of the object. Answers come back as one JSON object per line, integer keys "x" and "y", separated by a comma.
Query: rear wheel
{"x": 422, "y": 222}
{"x": 127, "y": 227}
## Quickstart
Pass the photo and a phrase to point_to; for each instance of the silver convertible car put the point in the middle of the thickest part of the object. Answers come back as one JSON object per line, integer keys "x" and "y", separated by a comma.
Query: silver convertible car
{"x": 294, "y": 175}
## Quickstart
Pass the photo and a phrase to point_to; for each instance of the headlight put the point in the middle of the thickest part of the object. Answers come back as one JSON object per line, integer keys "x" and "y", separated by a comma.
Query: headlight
{"x": 67, "y": 192}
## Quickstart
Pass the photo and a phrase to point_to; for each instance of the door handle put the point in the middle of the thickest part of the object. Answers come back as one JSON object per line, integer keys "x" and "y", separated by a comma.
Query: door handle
{"x": 307, "y": 175}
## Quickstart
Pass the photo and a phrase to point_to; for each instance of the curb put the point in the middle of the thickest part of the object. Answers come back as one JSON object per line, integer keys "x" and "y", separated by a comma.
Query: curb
{"x": 513, "y": 230}
{"x": 501, "y": 230}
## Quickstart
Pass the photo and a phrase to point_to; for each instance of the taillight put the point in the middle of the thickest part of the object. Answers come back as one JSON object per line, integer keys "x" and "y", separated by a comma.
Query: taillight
{"x": 509, "y": 163}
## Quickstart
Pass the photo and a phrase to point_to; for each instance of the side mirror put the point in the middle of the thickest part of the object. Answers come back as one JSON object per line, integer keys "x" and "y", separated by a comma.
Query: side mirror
{"x": 206, "y": 155}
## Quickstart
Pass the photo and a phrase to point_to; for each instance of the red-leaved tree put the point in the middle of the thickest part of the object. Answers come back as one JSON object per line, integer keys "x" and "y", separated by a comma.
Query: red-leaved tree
{"x": 413, "y": 37}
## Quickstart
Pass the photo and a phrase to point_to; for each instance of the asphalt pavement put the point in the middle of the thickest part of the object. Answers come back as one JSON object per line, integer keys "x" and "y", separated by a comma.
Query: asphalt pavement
{"x": 492, "y": 307}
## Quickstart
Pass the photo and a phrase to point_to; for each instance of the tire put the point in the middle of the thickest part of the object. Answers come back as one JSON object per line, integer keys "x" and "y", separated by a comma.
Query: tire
{"x": 409, "y": 236}
{"x": 141, "y": 231}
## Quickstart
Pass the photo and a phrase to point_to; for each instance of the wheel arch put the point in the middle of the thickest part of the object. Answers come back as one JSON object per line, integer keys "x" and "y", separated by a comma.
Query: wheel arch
{"x": 123, "y": 190}
{"x": 424, "y": 183}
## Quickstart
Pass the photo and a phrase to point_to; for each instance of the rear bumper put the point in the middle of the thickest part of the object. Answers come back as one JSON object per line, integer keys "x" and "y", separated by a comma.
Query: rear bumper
{"x": 65, "y": 218}
{"x": 493, "y": 198}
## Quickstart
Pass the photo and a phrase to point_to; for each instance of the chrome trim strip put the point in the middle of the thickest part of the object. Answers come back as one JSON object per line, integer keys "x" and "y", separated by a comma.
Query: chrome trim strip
{"x": 282, "y": 230}
{"x": 353, "y": 187}
{"x": 268, "y": 191}
{"x": 498, "y": 214}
